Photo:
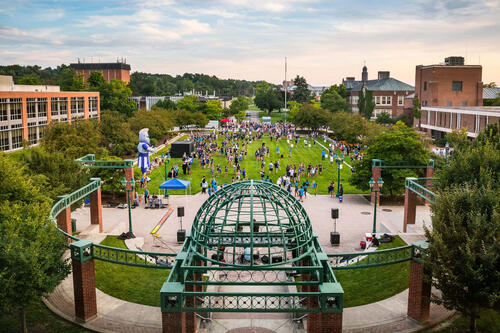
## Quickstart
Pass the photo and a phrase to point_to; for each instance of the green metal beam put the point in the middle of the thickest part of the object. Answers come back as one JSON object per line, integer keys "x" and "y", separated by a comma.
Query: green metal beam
{"x": 413, "y": 185}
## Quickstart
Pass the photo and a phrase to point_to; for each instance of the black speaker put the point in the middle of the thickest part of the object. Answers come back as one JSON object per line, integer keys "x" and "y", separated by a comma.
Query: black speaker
{"x": 335, "y": 213}
{"x": 334, "y": 238}
{"x": 277, "y": 259}
{"x": 265, "y": 259}
{"x": 181, "y": 235}
{"x": 180, "y": 211}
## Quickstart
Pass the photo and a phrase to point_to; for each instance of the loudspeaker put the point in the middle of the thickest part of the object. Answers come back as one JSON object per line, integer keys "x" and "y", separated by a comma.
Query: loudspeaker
{"x": 181, "y": 235}
{"x": 335, "y": 213}
{"x": 265, "y": 259}
{"x": 334, "y": 238}
{"x": 180, "y": 211}
{"x": 277, "y": 259}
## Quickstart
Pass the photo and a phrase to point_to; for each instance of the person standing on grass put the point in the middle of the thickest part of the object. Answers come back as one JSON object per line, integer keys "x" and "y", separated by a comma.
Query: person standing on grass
{"x": 323, "y": 154}
{"x": 289, "y": 151}
{"x": 204, "y": 185}
{"x": 278, "y": 150}
{"x": 301, "y": 194}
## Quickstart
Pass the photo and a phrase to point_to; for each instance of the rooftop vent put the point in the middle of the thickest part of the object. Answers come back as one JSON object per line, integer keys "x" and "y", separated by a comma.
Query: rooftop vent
{"x": 454, "y": 61}
{"x": 383, "y": 75}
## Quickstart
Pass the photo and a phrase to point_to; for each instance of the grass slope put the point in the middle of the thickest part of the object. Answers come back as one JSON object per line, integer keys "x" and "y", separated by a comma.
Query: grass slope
{"x": 299, "y": 154}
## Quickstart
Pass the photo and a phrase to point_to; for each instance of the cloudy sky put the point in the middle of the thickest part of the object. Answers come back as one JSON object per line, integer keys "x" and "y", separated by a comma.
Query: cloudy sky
{"x": 248, "y": 39}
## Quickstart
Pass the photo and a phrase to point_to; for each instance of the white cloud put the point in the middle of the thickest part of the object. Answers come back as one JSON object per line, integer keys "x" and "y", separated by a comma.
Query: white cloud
{"x": 189, "y": 27}
{"x": 51, "y": 14}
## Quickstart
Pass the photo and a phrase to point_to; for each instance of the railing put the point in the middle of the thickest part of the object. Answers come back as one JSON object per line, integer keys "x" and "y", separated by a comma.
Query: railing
{"x": 376, "y": 163}
{"x": 133, "y": 257}
{"x": 90, "y": 162}
{"x": 69, "y": 199}
{"x": 370, "y": 259}
{"x": 421, "y": 190}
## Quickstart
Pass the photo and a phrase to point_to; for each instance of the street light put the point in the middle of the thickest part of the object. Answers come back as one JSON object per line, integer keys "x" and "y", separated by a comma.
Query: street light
{"x": 372, "y": 183}
{"x": 129, "y": 185}
{"x": 163, "y": 157}
{"x": 339, "y": 159}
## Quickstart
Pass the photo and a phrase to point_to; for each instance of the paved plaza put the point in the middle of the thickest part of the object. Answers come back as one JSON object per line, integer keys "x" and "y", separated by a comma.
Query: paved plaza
{"x": 355, "y": 218}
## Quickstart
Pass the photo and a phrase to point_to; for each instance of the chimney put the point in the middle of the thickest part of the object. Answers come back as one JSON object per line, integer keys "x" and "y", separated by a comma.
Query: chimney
{"x": 383, "y": 75}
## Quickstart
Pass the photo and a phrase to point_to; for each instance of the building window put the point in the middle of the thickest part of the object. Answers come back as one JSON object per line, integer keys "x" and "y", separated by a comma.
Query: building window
{"x": 449, "y": 103}
{"x": 425, "y": 85}
{"x": 32, "y": 133}
{"x": 464, "y": 103}
{"x": 15, "y": 108}
{"x": 456, "y": 86}
{"x": 4, "y": 138}
{"x": 3, "y": 109}
{"x": 63, "y": 106}
{"x": 92, "y": 107}
{"x": 389, "y": 100}
{"x": 54, "y": 109}
{"x": 400, "y": 100}
{"x": 79, "y": 101}
{"x": 424, "y": 103}
{"x": 17, "y": 138}
{"x": 31, "y": 107}
{"x": 42, "y": 107}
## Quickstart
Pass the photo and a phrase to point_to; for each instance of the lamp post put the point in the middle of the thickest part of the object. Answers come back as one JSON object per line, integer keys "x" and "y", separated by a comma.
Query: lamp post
{"x": 447, "y": 148}
{"x": 129, "y": 185}
{"x": 165, "y": 167}
{"x": 339, "y": 159}
{"x": 372, "y": 183}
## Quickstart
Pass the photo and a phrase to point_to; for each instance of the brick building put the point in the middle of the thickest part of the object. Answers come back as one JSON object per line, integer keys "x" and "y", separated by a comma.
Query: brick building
{"x": 25, "y": 110}
{"x": 451, "y": 96}
{"x": 113, "y": 70}
{"x": 388, "y": 93}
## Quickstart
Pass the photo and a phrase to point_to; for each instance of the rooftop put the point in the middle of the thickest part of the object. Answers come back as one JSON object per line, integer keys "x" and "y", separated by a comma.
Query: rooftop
{"x": 387, "y": 84}
{"x": 100, "y": 65}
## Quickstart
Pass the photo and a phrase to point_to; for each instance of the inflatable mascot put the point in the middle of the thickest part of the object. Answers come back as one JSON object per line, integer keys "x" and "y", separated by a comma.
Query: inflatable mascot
{"x": 144, "y": 148}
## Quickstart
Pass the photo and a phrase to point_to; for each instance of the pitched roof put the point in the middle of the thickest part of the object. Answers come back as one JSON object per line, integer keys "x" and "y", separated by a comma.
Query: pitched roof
{"x": 388, "y": 84}
{"x": 491, "y": 93}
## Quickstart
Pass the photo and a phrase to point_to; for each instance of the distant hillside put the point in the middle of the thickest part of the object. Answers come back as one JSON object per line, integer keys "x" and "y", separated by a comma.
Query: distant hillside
{"x": 140, "y": 83}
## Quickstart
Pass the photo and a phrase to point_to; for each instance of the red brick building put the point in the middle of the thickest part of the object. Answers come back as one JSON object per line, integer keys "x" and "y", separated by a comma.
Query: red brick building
{"x": 25, "y": 110}
{"x": 388, "y": 93}
{"x": 114, "y": 70}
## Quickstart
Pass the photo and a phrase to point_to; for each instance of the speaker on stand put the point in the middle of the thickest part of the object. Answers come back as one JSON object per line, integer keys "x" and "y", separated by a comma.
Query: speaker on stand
{"x": 181, "y": 233}
{"x": 334, "y": 235}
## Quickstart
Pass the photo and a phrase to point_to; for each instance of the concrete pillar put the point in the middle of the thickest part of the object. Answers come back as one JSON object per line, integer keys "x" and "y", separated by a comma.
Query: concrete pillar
{"x": 173, "y": 322}
{"x": 410, "y": 208}
{"x": 129, "y": 174}
{"x": 96, "y": 208}
{"x": 68, "y": 109}
{"x": 84, "y": 289}
{"x": 376, "y": 174}
{"x": 24, "y": 117}
{"x": 419, "y": 293}
{"x": 64, "y": 220}
{"x": 86, "y": 107}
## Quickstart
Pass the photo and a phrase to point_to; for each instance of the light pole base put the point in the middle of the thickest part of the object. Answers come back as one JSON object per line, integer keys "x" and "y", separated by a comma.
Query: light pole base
{"x": 126, "y": 235}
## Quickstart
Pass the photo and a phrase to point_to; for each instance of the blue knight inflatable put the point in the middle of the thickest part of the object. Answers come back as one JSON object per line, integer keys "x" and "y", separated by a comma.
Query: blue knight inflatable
{"x": 144, "y": 148}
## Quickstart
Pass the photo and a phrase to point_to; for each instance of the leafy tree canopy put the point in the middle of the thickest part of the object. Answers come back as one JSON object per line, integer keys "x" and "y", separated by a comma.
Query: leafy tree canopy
{"x": 353, "y": 128}
{"x": 267, "y": 97}
{"x": 213, "y": 109}
{"x": 301, "y": 93}
{"x": 239, "y": 104}
{"x": 333, "y": 101}
{"x": 399, "y": 143}
{"x": 311, "y": 116}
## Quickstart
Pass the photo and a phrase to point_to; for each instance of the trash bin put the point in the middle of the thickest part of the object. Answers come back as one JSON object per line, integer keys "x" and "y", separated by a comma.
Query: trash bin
{"x": 73, "y": 225}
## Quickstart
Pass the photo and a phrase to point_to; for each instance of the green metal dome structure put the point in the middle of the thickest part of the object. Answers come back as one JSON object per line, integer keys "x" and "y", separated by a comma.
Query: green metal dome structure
{"x": 257, "y": 216}
{"x": 251, "y": 233}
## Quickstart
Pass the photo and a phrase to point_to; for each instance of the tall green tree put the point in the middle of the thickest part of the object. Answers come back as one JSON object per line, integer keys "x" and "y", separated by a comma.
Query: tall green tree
{"x": 332, "y": 101}
{"x": 267, "y": 98}
{"x": 189, "y": 103}
{"x": 239, "y": 104}
{"x": 31, "y": 248}
{"x": 311, "y": 116}
{"x": 166, "y": 104}
{"x": 365, "y": 103}
{"x": 353, "y": 128}
{"x": 399, "y": 143}
{"x": 213, "y": 110}
{"x": 113, "y": 95}
{"x": 30, "y": 79}
{"x": 117, "y": 136}
{"x": 464, "y": 250}
{"x": 417, "y": 111}
{"x": 301, "y": 93}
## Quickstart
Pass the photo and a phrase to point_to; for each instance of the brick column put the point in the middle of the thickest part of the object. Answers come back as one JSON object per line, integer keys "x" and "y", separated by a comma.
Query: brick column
{"x": 64, "y": 220}
{"x": 419, "y": 293}
{"x": 68, "y": 109}
{"x": 190, "y": 326}
{"x": 173, "y": 322}
{"x": 376, "y": 173}
{"x": 129, "y": 173}
{"x": 410, "y": 208}
{"x": 96, "y": 208}
{"x": 429, "y": 173}
{"x": 314, "y": 323}
{"x": 49, "y": 109}
{"x": 86, "y": 107}
{"x": 331, "y": 323}
{"x": 84, "y": 289}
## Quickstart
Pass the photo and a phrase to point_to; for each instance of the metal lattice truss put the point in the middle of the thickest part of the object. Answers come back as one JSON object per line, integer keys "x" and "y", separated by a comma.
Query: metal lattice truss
{"x": 420, "y": 186}
{"x": 252, "y": 233}
{"x": 376, "y": 163}
{"x": 90, "y": 162}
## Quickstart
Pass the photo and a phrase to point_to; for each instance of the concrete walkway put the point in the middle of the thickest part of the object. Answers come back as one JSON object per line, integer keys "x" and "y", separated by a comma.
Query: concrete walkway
{"x": 356, "y": 218}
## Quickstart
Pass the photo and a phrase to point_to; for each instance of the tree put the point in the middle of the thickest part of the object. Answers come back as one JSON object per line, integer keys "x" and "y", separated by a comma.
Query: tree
{"x": 332, "y": 101}
{"x": 31, "y": 248}
{"x": 113, "y": 95}
{"x": 467, "y": 212}
{"x": 189, "y": 103}
{"x": 417, "y": 112}
{"x": 293, "y": 108}
{"x": 399, "y": 143}
{"x": 311, "y": 116}
{"x": 213, "y": 110}
{"x": 267, "y": 98}
{"x": 490, "y": 85}
{"x": 240, "y": 116}
{"x": 239, "y": 104}
{"x": 457, "y": 137}
{"x": 353, "y": 128}
{"x": 341, "y": 90}
{"x": 301, "y": 93}
{"x": 159, "y": 121}
{"x": 30, "y": 80}
{"x": 199, "y": 119}
{"x": 69, "y": 81}
{"x": 166, "y": 104}
{"x": 384, "y": 118}
{"x": 117, "y": 135}
{"x": 365, "y": 103}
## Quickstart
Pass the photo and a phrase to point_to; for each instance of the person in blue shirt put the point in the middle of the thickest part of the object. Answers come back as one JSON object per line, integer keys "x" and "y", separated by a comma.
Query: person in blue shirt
{"x": 244, "y": 173}
{"x": 278, "y": 151}
{"x": 301, "y": 194}
{"x": 322, "y": 154}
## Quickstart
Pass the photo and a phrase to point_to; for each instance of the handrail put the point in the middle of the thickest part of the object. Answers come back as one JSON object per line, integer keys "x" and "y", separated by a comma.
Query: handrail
{"x": 421, "y": 190}
{"x": 376, "y": 163}
{"x": 355, "y": 260}
{"x": 90, "y": 162}
{"x": 69, "y": 199}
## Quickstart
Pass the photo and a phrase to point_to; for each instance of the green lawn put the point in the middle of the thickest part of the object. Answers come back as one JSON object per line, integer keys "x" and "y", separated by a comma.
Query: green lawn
{"x": 38, "y": 319}
{"x": 488, "y": 322}
{"x": 368, "y": 285}
{"x": 133, "y": 284}
{"x": 299, "y": 154}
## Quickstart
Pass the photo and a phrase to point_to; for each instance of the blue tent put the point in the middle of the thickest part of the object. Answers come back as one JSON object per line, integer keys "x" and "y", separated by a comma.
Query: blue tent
{"x": 175, "y": 184}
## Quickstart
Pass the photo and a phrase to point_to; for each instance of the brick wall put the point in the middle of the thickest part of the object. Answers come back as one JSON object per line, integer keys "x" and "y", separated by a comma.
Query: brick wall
{"x": 418, "y": 293}
{"x": 84, "y": 289}
{"x": 173, "y": 322}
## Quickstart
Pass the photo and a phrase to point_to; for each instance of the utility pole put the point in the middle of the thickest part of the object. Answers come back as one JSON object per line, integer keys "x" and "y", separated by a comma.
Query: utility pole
{"x": 286, "y": 91}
